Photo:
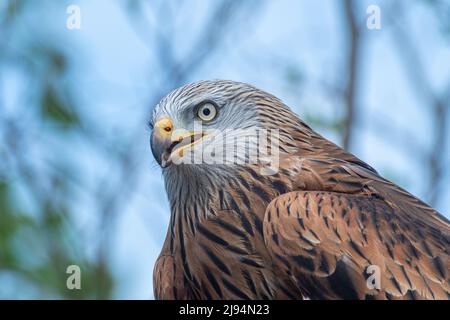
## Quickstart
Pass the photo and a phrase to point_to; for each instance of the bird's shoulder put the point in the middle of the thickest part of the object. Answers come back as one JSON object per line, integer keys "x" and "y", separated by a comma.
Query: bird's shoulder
{"x": 341, "y": 217}
{"x": 350, "y": 175}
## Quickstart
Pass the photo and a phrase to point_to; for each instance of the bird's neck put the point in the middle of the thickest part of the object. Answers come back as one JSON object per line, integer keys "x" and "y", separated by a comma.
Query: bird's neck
{"x": 198, "y": 193}
{"x": 192, "y": 188}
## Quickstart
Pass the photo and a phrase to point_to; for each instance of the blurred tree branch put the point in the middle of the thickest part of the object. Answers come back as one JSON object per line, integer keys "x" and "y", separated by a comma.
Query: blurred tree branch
{"x": 354, "y": 44}
{"x": 438, "y": 102}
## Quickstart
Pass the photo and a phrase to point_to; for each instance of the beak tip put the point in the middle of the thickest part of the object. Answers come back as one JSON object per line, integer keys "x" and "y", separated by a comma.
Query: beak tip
{"x": 159, "y": 153}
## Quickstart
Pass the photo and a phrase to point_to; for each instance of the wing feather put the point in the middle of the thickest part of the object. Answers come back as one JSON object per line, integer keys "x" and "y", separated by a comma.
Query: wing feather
{"x": 326, "y": 241}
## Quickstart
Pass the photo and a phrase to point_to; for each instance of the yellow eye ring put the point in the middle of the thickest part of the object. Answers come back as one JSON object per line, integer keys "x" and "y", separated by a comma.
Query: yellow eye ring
{"x": 207, "y": 112}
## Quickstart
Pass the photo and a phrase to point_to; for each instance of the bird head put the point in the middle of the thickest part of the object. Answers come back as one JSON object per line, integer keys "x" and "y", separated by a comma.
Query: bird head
{"x": 225, "y": 118}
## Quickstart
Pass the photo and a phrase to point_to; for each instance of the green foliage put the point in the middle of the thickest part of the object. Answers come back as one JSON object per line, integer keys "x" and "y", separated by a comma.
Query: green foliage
{"x": 13, "y": 8}
{"x": 294, "y": 76}
{"x": 38, "y": 249}
{"x": 8, "y": 227}
{"x": 38, "y": 240}
{"x": 336, "y": 124}
{"x": 55, "y": 110}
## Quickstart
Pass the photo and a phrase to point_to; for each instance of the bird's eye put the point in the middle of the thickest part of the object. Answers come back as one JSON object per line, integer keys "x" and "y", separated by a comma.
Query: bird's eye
{"x": 207, "y": 112}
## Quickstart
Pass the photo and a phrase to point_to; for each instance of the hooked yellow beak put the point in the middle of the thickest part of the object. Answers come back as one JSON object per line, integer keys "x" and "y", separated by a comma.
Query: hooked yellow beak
{"x": 167, "y": 142}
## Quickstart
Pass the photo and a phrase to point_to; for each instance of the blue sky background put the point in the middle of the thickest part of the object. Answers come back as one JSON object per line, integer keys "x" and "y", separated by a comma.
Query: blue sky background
{"x": 115, "y": 76}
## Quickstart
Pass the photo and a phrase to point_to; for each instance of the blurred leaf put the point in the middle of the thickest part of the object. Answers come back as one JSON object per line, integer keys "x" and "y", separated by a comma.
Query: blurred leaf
{"x": 13, "y": 8}
{"x": 48, "y": 272}
{"x": 53, "y": 219}
{"x": 55, "y": 110}
{"x": 336, "y": 124}
{"x": 3, "y": 195}
{"x": 294, "y": 75}
{"x": 52, "y": 58}
{"x": 58, "y": 61}
{"x": 10, "y": 223}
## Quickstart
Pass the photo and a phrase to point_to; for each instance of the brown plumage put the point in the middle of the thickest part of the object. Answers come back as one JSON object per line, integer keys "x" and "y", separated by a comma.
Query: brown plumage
{"x": 310, "y": 230}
